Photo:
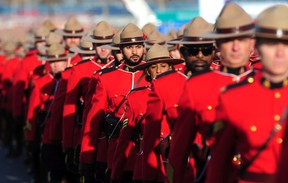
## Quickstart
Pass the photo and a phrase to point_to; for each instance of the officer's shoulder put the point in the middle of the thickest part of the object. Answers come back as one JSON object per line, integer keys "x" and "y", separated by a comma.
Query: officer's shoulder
{"x": 200, "y": 73}
{"x": 166, "y": 74}
{"x": 247, "y": 81}
{"x": 105, "y": 70}
{"x": 82, "y": 62}
{"x": 139, "y": 88}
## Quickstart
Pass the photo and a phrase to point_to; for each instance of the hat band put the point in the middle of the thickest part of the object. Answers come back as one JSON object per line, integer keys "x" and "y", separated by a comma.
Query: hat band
{"x": 86, "y": 49}
{"x": 56, "y": 56}
{"x": 40, "y": 37}
{"x": 195, "y": 39}
{"x": 73, "y": 31}
{"x": 125, "y": 40}
{"x": 158, "y": 58}
{"x": 277, "y": 32}
{"x": 102, "y": 37}
{"x": 235, "y": 29}
{"x": 151, "y": 43}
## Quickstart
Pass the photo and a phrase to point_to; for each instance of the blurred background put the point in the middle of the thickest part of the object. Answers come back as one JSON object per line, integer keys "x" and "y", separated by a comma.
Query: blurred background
{"x": 19, "y": 16}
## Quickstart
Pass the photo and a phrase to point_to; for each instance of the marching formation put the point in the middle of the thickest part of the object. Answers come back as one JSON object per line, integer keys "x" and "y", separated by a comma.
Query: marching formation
{"x": 207, "y": 103}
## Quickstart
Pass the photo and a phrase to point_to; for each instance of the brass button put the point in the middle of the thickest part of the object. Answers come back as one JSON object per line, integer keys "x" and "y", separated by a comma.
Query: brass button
{"x": 277, "y": 95}
{"x": 253, "y": 128}
{"x": 234, "y": 79}
{"x": 45, "y": 94}
{"x": 276, "y": 117}
{"x": 209, "y": 107}
{"x": 116, "y": 95}
{"x": 162, "y": 133}
{"x": 250, "y": 80}
{"x": 279, "y": 140}
{"x": 176, "y": 105}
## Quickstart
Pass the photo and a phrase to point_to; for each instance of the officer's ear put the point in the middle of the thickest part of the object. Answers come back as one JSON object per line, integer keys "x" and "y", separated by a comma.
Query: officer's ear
{"x": 147, "y": 72}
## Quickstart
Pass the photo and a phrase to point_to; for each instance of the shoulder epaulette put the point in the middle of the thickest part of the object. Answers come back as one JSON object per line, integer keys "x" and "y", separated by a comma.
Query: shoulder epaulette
{"x": 248, "y": 80}
{"x": 165, "y": 74}
{"x": 139, "y": 88}
{"x": 82, "y": 61}
{"x": 105, "y": 70}
{"x": 200, "y": 72}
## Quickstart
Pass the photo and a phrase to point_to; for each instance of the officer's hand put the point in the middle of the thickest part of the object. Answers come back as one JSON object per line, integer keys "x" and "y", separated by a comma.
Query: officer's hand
{"x": 88, "y": 172}
{"x": 69, "y": 161}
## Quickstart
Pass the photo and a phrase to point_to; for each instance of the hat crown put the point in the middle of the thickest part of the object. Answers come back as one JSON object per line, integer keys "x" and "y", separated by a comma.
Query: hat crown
{"x": 55, "y": 49}
{"x": 172, "y": 35}
{"x": 131, "y": 31}
{"x": 49, "y": 25}
{"x": 10, "y": 46}
{"x": 197, "y": 27}
{"x": 157, "y": 51}
{"x": 103, "y": 29}
{"x": 86, "y": 44}
{"x": 53, "y": 38}
{"x": 72, "y": 25}
{"x": 116, "y": 37}
{"x": 231, "y": 16}
{"x": 274, "y": 17}
{"x": 155, "y": 37}
{"x": 148, "y": 28}
{"x": 42, "y": 31}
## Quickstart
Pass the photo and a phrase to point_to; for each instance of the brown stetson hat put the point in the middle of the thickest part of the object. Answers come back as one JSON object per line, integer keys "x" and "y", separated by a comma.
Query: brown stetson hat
{"x": 72, "y": 28}
{"x": 171, "y": 36}
{"x": 85, "y": 47}
{"x": 115, "y": 42}
{"x": 56, "y": 52}
{"x": 193, "y": 32}
{"x": 41, "y": 34}
{"x": 148, "y": 28}
{"x": 232, "y": 21}
{"x": 158, "y": 54}
{"x": 131, "y": 34}
{"x": 102, "y": 33}
{"x": 273, "y": 23}
{"x": 52, "y": 38}
{"x": 49, "y": 25}
{"x": 153, "y": 38}
{"x": 9, "y": 46}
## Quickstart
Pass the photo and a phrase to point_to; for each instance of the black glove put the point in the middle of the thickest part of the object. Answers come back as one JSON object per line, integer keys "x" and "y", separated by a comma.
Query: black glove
{"x": 69, "y": 161}
{"x": 88, "y": 172}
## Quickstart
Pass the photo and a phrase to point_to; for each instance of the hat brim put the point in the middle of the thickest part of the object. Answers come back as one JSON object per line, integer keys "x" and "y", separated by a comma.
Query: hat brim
{"x": 131, "y": 42}
{"x": 172, "y": 61}
{"x": 63, "y": 33}
{"x": 92, "y": 40}
{"x": 190, "y": 42}
{"x": 76, "y": 49}
{"x": 44, "y": 58}
{"x": 214, "y": 35}
{"x": 270, "y": 36}
{"x": 110, "y": 46}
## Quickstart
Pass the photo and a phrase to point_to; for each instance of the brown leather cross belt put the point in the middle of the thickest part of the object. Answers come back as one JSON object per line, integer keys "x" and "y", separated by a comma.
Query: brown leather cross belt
{"x": 257, "y": 177}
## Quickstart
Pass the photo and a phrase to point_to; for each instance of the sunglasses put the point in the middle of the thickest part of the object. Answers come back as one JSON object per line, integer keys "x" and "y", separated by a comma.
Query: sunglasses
{"x": 194, "y": 51}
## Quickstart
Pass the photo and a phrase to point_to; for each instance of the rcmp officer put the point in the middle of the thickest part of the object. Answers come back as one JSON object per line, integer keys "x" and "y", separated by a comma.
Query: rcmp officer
{"x": 195, "y": 59}
{"x": 248, "y": 139}
{"x": 72, "y": 33}
{"x": 158, "y": 62}
{"x": 106, "y": 102}
{"x": 197, "y": 105}
{"x": 160, "y": 118}
{"x": 40, "y": 106}
{"x": 11, "y": 63}
{"x": 77, "y": 87}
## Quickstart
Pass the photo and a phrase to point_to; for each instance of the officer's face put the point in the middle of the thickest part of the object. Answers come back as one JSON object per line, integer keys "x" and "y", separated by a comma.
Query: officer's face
{"x": 156, "y": 69}
{"x": 274, "y": 55}
{"x": 103, "y": 53}
{"x": 235, "y": 52}
{"x": 133, "y": 53}
{"x": 58, "y": 66}
{"x": 175, "y": 54}
{"x": 39, "y": 45}
{"x": 72, "y": 41}
{"x": 198, "y": 57}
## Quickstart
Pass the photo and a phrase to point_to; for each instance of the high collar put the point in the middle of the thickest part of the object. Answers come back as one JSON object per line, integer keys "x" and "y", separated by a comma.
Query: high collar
{"x": 269, "y": 84}
{"x": 236, "y": 71}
